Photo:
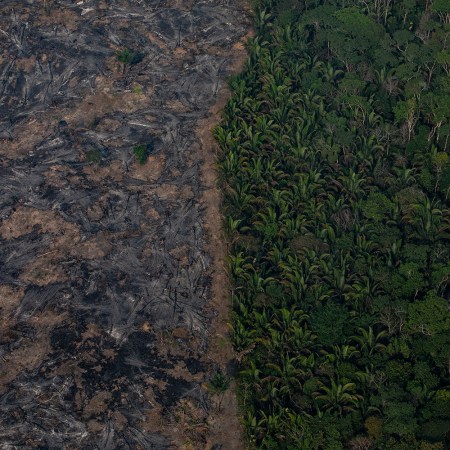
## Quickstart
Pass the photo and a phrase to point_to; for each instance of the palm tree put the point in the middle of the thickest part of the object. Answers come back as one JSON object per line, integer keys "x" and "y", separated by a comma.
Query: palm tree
{"x": 320, "y": 292}
{"x": 253, "y": 138}
{"x": 351, "y": 184}
{"x": 362, "y": 292}
{"x": 267, "y": 223}
{"x": 231, "y": 164}
{"x": 262, "y": 319}
{"x": 261, "y": 20}
{"x": 337, "y": 398}
{"x": 250, "y": 107}
{"x": 330, "y": 74}
{"x": 254, "y": 169}
{"x": 225, "y": 138}
{"x": 285, "y": 375}
{"x": 295, "y": 227}
{"x": 242, "y": 336}
{"x": 341, "y": 353}
{"x": 368, "y": 341}
{"x": 240, "y": 267}
{"x": 427, "y": 219}
{"x": 278, "y": 253}
{"x": 301, "y": 340}
{"x": 404, "y": 176}
{"x": 295, "y": 275}
{"x": 256, "y": 283}
{"x": 264, "y": 125}
{"x": 286, "y": 319}
{"x": 312, "y": 62}
{"x": 240, "y": 196}
{"x": 340, "y": 276}
{"x": 252, "y": 374}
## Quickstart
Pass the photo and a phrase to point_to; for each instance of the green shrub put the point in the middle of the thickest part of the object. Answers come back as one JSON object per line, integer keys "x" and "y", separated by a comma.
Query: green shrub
{"x": 141, "y": 153}
{"x": 376, "y": 206}
{"x": 94, "y": 156}
{"x": 128, "y": 58}
{"x": 219, "y": 382}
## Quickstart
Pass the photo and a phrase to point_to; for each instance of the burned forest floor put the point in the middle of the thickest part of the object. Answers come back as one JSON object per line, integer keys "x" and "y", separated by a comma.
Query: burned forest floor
{"x": 113, "y": 292}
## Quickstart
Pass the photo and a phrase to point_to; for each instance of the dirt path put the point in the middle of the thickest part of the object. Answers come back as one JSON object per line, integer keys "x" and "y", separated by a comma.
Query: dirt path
{"x": 112, "y": 290}
{"x": 225, "y": 423}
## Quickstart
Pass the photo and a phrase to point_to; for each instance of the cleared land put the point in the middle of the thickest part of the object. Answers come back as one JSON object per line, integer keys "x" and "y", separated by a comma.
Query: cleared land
{"x": 111, "y": 321}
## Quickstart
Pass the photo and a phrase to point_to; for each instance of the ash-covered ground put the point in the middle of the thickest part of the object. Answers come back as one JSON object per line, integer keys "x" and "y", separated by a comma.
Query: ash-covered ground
{"x": 105, "y": 278}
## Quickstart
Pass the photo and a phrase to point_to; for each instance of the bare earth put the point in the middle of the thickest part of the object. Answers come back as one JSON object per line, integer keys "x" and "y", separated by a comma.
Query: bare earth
{"x": 113, "y": 295}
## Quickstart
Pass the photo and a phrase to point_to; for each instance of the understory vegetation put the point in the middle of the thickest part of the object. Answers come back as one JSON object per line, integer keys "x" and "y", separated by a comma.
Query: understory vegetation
{"x": 336, "y": 179}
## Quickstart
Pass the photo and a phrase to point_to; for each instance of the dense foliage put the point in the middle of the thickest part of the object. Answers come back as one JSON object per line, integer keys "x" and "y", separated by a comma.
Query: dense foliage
{"x": 336, "y": 177}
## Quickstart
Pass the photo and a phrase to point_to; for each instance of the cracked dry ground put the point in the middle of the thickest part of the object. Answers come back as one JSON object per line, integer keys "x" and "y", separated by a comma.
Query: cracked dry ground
{"x": 111, "y": 320}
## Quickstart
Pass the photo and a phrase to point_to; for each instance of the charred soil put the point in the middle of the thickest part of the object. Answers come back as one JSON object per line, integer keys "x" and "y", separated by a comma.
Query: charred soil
{"x": 112, "y": 288}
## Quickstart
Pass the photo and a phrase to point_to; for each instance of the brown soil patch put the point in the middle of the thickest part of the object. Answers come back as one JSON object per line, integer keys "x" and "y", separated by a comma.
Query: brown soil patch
{"x": 57, "y": 176}
{"x": 150, "y": 171}
{"x": 176, "y": 105}
{"x": 27, "y": 64}
{"x": 105, "y": 100}
{"x": 97, "y": 404}
{"x": 107, "y": 125}
{"x": 31, "y": 352}
{"x": 43, "y": 271}
{"x": 181, "y": 254}
{"x": 157, "y": 40}
{"x": 26, "y": 136}
{"x": 24, "y": 219}
{"x": 10, "y": 298}
{"x": 44, "y": 268}
{"x": 51, "y": 16}
{"x": 94, "y": 248}
{"x": 115, "y": 171}
{"x": 180, "y": 52}
{"x": 167, "y": 191}
{"x": 28, "y": 357}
